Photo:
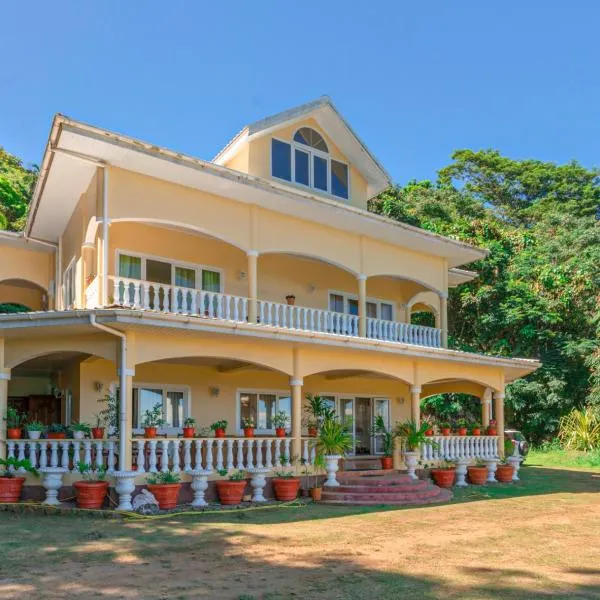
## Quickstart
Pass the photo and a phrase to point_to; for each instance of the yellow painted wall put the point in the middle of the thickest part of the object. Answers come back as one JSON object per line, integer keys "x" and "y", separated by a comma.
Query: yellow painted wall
{"x": 27, "y": 264}
{"x": 31, "y": 297}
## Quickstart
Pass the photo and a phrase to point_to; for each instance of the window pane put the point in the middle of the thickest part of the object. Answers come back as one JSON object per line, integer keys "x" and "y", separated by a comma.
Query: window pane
{"x": 339, "y": 179}
{"x": 301, "y": 174}
{"x": 284, "y": 403}
{"x": 147, "y": 398}
{"x": 329, "y": 402}
{"x": 381, "y": 410}
{"x": 336, "y": 303}
{"x": 158, "y": 271}
{"x": 281, "y": 161}
{"x": 352, "y": 306}
{"x": 247, "y": 407}
{"x": 372, "y": 310}
{"x": 320, "y": 173}
{"x": 211, "y": 281}
{"x": 267, "y": 404}
{"x": 310, "y": 137}
{"x": 185, "y": 277}
{"x": 175, "y": 409}
{"x": 130, "y": 266}
{"x": 387, "y": 312}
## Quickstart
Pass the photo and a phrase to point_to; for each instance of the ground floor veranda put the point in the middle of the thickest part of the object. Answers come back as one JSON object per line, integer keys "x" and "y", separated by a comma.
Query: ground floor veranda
{"x": 228, "y": 375}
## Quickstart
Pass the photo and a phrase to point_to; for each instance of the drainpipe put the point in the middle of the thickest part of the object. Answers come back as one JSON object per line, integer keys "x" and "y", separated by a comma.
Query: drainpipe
{"x": 123, "y": 388}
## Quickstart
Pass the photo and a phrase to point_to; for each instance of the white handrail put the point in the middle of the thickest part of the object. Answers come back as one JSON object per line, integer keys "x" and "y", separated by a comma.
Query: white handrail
{"x": 406, "y": 333}
{"x": 452, "y": 447}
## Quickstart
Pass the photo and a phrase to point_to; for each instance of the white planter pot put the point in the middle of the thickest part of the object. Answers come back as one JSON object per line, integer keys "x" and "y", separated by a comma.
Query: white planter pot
{"x": 199, "y": 486}
{"x": 78, "y": 435}
{"x": 52, "y": 482}
{"x": 125, "y": 486}
{"x": 411, "y": 460}
{"x": 34, "y": 435}
{"x": 331, "y": 466}
{"x": 257, "y": 483}
{"x": 491, "y": 464}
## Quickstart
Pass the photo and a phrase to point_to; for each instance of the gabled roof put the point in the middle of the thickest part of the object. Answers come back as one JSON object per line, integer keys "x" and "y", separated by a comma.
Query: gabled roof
{"x": 333, "y": 123}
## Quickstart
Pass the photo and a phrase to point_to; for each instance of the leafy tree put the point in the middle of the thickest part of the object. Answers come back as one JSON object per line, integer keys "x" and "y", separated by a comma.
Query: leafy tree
{"x": 16, "y": 187}
{"x": 537, "y": 294}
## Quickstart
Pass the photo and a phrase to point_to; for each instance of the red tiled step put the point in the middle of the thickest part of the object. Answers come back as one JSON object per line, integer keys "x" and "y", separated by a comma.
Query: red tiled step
{"x": 382, "y": 497}
{"x": 413, "y": 486}
{"x": 442, "y": 496}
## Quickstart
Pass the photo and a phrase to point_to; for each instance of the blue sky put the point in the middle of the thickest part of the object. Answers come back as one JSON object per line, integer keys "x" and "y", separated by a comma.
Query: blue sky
{"x": 416, "y": 79}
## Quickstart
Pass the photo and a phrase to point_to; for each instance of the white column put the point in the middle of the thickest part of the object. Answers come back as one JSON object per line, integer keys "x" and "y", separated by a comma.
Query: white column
{"x": 415, "y": 404}
{"x": 444, "y": 319}
{"x": 4, "y": 379}
{"x": 486, "y": 407}
{"x": 296, "y": 425}
{"x": 252, "y": 285}
{"x": 499, "y": 416}
{"x": 362, "y": 305}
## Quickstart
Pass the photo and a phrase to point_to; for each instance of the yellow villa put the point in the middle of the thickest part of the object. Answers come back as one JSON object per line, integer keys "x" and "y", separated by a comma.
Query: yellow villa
{"x": 228, "y": 290}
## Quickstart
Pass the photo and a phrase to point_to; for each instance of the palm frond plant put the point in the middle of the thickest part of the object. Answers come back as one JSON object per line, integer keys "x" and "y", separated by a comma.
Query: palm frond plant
{"x": 580, "y": 429}
{"x": 11, "y": 477}
{"x": 318, "y": 411}
{"x": 414, "y": 435}
{"x": 388, "y": 440}
{"x": 334, "y": 437}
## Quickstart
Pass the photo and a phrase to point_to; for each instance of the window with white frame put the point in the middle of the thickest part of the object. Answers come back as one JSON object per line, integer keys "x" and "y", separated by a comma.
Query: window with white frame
{"x": 306, "y": 161}
{"x": 69, "y": 286}
{"x": 347, "y": 303}
{"x": 261, "y": 407}
{"x": 174, "y": 400}
{"x": 167, "y": 272}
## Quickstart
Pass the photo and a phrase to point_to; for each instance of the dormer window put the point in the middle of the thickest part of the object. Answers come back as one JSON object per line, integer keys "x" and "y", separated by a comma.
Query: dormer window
{"x": 306, "y": 162}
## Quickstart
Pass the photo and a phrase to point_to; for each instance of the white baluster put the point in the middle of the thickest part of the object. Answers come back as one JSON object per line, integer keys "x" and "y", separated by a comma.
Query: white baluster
{"x": 21, "y": 453}
{"x": 110, "y": 459}
{"x": 305, "y": 451}
{"x": 87, "y": 452}
{"x": 117, "y": 290}
{"x": 249, "y": 457}
{"x": 209, "y": 455}
{"x": 99, "y": 452}
{"x": 286, "y": 443}
{"x": 176, "y": 456}
{"x": 43, "y": 454}
{"x": 141, "y": 459}
{"x": 198, "y": 455}
{"x": 53, "y": 453}
{"x": 152, "y": 459}
{"x": 187, "y": 455}
{"x": 33, "y": 454}
{"x": 240, "y": 454}
{"x": 64, "y": 456}
{"x": 76, "y": 454}
{"x": 164, "y": 461}
{"x": 229, "y": 455}
{"x": 268, "y": 453}
{"x": 278, "y": 442}
{"x": 259, "y": 463}
{"x": 220, "y": 453}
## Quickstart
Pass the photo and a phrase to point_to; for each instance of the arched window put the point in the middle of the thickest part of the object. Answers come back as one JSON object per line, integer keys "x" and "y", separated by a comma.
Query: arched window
{"x": 306, "y": 162}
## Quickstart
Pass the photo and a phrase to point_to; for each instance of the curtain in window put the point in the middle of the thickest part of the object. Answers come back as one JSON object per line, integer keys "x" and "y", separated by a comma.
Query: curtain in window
{"x": 130, "y": 266}
{"x": 211, "y": 281}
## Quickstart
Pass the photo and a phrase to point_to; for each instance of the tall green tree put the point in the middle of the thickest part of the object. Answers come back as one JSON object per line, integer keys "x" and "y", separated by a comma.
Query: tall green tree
{"x": 537, "y": 294}
{"x": 16, "y": 187}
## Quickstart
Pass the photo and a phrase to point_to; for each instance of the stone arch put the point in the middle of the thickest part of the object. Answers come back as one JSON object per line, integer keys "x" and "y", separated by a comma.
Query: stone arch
{"x": 24, "y": 292}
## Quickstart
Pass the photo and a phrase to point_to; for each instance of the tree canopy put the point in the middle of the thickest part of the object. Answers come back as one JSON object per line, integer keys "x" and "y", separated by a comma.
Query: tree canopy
{"x": 538, "y": 292}
{"x": 16, "y": 186}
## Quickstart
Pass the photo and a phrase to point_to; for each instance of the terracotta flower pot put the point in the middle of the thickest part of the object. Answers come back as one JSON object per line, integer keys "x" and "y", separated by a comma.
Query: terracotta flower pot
{"x": 97, "y": 433}
{"x": 149, "y": 432}
{"x": 249, "y": 432}
{"x": 477, "y": 475}
{"x": 14, "y": 433}
{"x": 220, "y": 433}
{"x": 429, "y": 432}
{"x": 189, "y": 432}
{"x": 444, "y": 478}
{"x": 312, "y": 432}
{"x": 230, "y": 492}
{"x": 315, "y": 493}
{"x": 56, "y": 435}
{"x": 462, "y": 431}
{"x": 11, "y": 488}
{"x": 286, "y": 488}
{"x": 445, "y": 431}
{"x": 504, "y": 473}
{"x": 165, "y": 493}
{"x": 280, "y": 432}
{"x": 476, "y": 431}
{"x": 387, "y": 462}
{"x": 291, "y": 300}
{"x": 492, "y": 431}
{"x": 90, "y": 494}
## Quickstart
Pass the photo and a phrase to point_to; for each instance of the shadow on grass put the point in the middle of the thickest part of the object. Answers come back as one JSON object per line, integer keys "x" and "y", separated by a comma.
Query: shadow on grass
{"x": 69, "y": 557}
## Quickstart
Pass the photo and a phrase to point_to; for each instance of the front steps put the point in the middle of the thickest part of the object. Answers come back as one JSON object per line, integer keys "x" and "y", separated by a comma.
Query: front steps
{"x": 375, "y": 487}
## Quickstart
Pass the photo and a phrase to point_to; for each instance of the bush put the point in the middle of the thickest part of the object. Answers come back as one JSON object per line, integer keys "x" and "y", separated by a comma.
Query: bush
{"x": 580, "y": 429}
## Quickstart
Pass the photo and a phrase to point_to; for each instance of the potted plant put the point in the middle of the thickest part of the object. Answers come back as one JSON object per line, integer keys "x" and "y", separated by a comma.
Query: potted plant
{"x": 14, "y": 423}
{"x": 429, "y": 431}
{"x": 98, "y": 431}
{"x": 334, "y": 441}
{"x": 477, "y": 472}
{"x": 476, "y": 428}
{"x": 290, "y": 299}
{"x": 445, "y": 428}
{"x": 219, "y": 427}
{"x": 312, "y": 428}
{"x": 90, "y": 492}
{"x": 248, "y": 426}
{"x": 11, "y": 485}
{"x": 461, "y": 427}
{"x": 504, "y": 471}
{"x": 79, "y": 430}
{"x": 492, "y": 429}
{"x": 414, "y": 437}
{"x": 109, "y": 415}
{"x": 153, "y": 418}
{"x": 189, "y": 427}
{"x": 317, "y": 411}
{"x": 35, "y": 429}
{"x": 318, "y": 467}
{"x": 57, "y": 431}
{"x": 231, "y": 490}
{"x": 444, "y": 475}
{"x": 388, "y": 439}
{"x": 165, "y": 486}
{"x": 285, "y": 482}
{"x": 280, "y": 420}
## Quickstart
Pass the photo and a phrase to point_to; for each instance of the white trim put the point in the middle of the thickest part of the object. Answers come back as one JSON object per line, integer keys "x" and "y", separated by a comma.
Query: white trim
{"x": 348, "y": 296}
{"x": 245, "y": 390}
{"x": 70, "y": 272}
{"x": 198, "y": 268}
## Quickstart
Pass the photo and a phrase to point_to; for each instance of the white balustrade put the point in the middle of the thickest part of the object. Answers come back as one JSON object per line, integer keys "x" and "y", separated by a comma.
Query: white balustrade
{"x": 453, "y": 447}
{"x": 406, "y": 333}
{"x": 187, "y": 455}
{"x": 92, "y": 299}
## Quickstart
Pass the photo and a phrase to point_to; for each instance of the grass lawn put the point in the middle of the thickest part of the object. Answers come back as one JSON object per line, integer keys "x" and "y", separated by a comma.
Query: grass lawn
{"x": 571, "y": 459}
{"x": 535, "y": 539}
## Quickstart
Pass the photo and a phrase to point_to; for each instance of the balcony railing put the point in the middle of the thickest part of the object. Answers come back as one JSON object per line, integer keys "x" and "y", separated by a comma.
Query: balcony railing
{"x": 164, "y": 298}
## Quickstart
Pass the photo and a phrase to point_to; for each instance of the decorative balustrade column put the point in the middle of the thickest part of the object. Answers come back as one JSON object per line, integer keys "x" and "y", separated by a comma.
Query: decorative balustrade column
{"x": 415, "y": 404}
{"x": 499, "y": 416}
{"x": 252, "y": 285}
{"x": 362, "y": 305}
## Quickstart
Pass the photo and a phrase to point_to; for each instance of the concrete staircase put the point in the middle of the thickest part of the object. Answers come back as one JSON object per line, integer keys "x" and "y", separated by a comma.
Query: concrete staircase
{"x": 372, "y": 487}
